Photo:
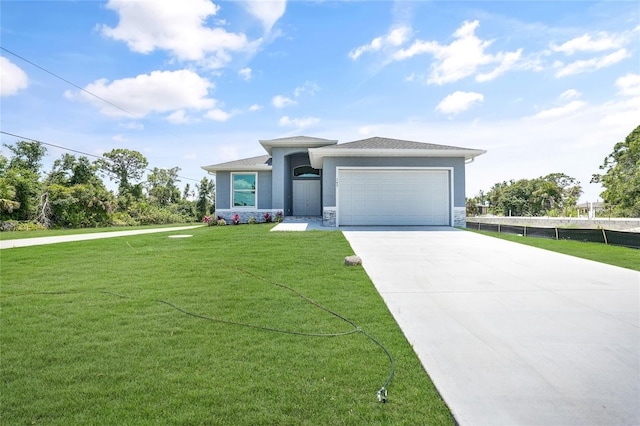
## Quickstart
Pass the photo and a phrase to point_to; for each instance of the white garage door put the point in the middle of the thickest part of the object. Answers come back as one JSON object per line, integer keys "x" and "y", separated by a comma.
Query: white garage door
{"x": 393, "y": 197}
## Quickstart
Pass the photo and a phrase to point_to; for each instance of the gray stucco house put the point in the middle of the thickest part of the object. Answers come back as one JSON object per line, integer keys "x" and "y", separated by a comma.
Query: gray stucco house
{"x": 375, "y": 181}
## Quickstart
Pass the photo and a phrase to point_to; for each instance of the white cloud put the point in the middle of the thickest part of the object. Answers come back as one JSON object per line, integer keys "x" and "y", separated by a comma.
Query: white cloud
{"x": 564, "y": 110}
{"x": 462, "y": 58}
{"x": 394, "y": 38}
{"x": 280, "y": 101}
{"x": 160, "y": 91}
{"x": 255, "y": 107}
{"x": 245, "y": 73}
{"x": 585, "y": 43}
{"x": 570, "y": 94}
{"x": 506, "y": 62}
{"x": 298, "y": 122}
{"x": 133, "y": 125}
{"x": 217, "y": 115}
{"x": 593, "y": 64}
{"x": 119, "y": 139}
{"x": 268, "y": 12}
{"x": 178, "y": 27}
{"x": 629, "y": 85}
{"x": 459, "y": 101}
{"x": 12, "y": 78}
{"x": 309, "y": 87}
{"x": 179, "y": 117}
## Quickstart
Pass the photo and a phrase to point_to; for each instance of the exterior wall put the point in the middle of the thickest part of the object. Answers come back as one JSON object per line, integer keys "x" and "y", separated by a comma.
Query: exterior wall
{"x": 223, "y": 194}
{"x": 460, "y": 216}
{"x": 264, "y": 190}
{"x": 330, "y": 164}
{"x": 329, "y": 216}
{"x": 223, "y": 190}
{"x": 281, "y": 178}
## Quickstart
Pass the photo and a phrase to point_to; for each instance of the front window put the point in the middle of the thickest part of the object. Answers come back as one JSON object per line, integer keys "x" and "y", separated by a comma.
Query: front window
{"x": 244, "y": 189}
{"x": 306, "y": 172}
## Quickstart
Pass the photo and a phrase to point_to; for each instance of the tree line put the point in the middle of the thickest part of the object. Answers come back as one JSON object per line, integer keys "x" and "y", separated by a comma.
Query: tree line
{"x": 556, "y": 194}
{"x": 73, "y": 193}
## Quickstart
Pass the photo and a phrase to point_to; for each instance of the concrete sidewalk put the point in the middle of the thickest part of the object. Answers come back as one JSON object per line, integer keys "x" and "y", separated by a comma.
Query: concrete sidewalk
{"x": 25, "y": 242}
{"x": 511, "y": 334}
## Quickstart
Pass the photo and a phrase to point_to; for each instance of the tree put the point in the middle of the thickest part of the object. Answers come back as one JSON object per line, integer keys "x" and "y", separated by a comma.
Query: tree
{"x": 69, "y": 170}
{"x": 621, "y": 179}
{"x": 74, "y": 195}
{"x": 27, "y": 155}
{"x": 7, "y": 191}
{"x": 21, "y": 180}
{"x": 79, "y": 205}
{"x": 554, "y": 193}
{"x": 205, "y": 202}
{"x": 123, "y": 166}
{"x": 187, "y": 192}
{"x": 161, "y": 186}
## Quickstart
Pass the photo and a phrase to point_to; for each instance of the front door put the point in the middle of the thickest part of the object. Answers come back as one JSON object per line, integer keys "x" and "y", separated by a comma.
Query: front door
{"x": 306, "y": 198}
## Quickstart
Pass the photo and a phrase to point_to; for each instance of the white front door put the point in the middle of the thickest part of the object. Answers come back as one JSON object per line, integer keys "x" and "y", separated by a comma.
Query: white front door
{"x": 306, "y": 198}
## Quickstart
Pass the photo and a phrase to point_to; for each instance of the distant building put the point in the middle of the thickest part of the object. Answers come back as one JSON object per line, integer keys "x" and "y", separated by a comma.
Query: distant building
{"x": 590, "y": 208}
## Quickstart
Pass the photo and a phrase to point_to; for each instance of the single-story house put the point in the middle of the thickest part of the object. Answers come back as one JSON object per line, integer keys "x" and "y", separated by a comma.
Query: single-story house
{"x": 374, "y": 181}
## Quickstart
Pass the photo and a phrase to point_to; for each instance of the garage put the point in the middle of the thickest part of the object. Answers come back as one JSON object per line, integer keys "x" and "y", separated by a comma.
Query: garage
{"x": 393, "y": 196}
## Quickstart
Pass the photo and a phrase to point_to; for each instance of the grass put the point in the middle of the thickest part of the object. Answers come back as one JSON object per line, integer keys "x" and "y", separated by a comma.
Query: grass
{"x": 15, "y": 235}
{"x": 613, "y": 255}
{"x": 85, "y": 339}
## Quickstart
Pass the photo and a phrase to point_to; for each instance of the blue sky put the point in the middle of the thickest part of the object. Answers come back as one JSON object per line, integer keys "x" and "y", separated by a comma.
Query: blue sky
{"x": 543, "y": 86}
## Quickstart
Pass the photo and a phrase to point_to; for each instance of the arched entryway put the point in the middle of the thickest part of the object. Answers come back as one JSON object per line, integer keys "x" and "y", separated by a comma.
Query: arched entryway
{"x": 307, "y": 191}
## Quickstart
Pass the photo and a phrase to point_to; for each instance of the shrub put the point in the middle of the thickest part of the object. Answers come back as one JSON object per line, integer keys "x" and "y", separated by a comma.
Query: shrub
{"x": 267, "y": 217}
{"x": 221, "y": 222}
{"x": 279, "y": 217}
{"x": 251, "y": 220}
{"x": 14, "y": 225}
{"x": 236, "y": 219}
{"x": 123, "y": 219}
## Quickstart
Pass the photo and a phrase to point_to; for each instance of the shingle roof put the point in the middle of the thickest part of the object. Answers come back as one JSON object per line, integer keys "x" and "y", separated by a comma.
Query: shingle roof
{"x": 260, "y": 162}
{"x": 298, "y": 139}
{"x": 388, "y": 143}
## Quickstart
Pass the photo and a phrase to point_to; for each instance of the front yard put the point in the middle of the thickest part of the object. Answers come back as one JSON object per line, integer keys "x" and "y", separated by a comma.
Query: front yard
{"x": 86, "y": 338}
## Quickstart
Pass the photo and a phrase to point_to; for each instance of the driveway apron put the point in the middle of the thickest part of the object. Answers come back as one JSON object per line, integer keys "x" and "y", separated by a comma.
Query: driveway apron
{"x": 511, "y": 334}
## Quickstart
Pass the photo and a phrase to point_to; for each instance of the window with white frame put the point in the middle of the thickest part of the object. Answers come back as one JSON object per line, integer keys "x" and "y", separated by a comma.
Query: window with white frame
{"x": 243, "y": 189}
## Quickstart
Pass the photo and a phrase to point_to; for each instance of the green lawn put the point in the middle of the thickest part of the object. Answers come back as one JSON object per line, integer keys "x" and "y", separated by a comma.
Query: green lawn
{"x": 15, "y": 235}
{"x": 612, "y": 255}
{"x": 86, "y": 340}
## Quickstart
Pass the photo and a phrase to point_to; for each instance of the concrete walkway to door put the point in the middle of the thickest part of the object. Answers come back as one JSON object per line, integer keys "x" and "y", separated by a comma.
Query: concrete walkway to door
{"x": 510, "y": 334}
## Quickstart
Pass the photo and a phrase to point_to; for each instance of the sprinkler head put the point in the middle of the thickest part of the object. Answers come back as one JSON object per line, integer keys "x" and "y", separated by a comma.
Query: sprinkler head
{"x": 382, "y": 395}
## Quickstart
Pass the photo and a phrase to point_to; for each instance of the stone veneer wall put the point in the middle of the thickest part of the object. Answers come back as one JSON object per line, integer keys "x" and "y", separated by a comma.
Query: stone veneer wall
{"x": 227, "y": 215}
{"x": 460, "y": 216}
{"x": 329, "y": 216}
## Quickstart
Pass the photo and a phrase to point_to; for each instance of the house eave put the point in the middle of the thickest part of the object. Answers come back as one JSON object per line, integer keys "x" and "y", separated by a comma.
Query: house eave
{"x": 307, "y": 143}
{"x": 257, "y": 168}
{"x": 316, "y": 155}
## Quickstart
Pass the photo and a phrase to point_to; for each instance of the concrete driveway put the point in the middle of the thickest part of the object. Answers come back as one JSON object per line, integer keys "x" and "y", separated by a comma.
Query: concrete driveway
{"x": 510, "y": 334}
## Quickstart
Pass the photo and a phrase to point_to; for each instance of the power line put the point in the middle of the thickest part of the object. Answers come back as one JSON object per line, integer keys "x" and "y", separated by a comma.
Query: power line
{"x": 76, "y": 151}
{"x": 85, "y": 91}
{"x": 72, "y": 84}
